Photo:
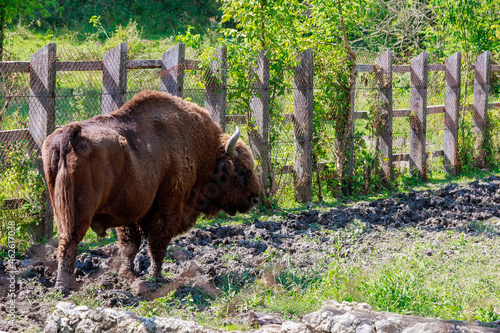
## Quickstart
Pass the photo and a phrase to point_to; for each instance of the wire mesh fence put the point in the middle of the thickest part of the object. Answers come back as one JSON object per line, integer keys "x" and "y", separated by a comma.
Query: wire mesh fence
{"x": 22, "y": 196}
{"x": 391, "y": 110}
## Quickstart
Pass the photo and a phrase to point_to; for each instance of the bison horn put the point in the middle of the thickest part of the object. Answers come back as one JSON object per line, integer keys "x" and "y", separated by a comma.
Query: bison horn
{"x": 231, "y": 144}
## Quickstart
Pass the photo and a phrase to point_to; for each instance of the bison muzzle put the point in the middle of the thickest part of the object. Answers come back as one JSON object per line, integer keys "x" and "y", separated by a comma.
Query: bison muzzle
{"x": 151, "y": 167}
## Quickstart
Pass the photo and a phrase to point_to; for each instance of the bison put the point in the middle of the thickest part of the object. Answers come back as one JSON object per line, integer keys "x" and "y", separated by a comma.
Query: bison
{"x": 151, "y": 167}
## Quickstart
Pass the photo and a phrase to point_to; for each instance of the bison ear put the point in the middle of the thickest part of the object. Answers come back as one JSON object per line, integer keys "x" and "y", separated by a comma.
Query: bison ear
{"x": 225, "y": 169}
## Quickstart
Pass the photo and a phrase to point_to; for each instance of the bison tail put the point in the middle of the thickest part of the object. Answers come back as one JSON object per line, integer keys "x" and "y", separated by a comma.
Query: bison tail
{"x": 64, "y": 198}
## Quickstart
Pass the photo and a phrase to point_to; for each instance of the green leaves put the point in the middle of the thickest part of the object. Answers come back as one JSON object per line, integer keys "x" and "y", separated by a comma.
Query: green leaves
{"x": 284, "y": 29}
{"x": 189, "y": 39}
{"x": 28, "y": 8}
{"x": 463, "y": 25}
{"x": 226, "y": 18}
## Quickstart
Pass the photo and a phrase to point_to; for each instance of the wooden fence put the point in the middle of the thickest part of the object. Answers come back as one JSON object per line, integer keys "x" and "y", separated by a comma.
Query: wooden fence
{"x": 419, "y": 109}
{"x": 43, "y": 67}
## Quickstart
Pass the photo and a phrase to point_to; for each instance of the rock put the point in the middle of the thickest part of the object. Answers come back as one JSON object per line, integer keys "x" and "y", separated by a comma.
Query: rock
{"x": 330, "y": 304}
{"x": 319, "y": 321}
{"x": 345, "y": 323}
{"x": 86, "y": 326}
{"x": 181, "y": 255}
{"x": 365, "y": 328}
{"x": 260, "y": 319}
{"x": 420, "y": 328}
{"x": 333, "y": 318}
{"x": 365, "y": 307}
{"x": 437, "y": 326}
{"x": 51, "y": 327}
{"x": 266, "y": 329}
{"x": 65, "y": 306}
{"x": 180, "y": 326}
{"x": 70, "y": 319}
{"x": 386, "y": 326}
{"x": 96, "y": 316}
{"x": 291, "y": 327}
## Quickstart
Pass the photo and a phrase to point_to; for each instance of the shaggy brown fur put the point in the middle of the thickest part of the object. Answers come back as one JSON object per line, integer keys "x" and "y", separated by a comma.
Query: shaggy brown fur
{"x": 151, "y": 167}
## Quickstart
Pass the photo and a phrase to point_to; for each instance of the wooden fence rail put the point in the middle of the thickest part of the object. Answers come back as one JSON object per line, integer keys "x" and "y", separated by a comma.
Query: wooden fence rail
{"x": 43, "y": 68}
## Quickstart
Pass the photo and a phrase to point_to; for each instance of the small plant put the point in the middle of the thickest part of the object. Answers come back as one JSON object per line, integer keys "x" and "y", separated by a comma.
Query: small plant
{"x": 22, "y": 194}
{"x": 96, "y": 23}
{"x": 191, "y": 40}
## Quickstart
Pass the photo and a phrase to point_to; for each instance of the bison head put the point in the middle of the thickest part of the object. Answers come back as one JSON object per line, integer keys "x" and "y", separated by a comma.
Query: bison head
{"x": 236, "y": 186}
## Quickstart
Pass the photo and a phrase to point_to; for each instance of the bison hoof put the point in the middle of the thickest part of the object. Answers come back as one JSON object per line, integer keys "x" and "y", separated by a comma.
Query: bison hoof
{"x": 127, "y": 273}
{"x": 140, "y": 287}
{"x": 61, "y": 288}
{"x": 155, "y": 275}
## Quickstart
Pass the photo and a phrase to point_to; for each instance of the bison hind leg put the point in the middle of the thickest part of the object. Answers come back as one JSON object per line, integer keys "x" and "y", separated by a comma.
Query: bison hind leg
{"x": 66, "y": 255}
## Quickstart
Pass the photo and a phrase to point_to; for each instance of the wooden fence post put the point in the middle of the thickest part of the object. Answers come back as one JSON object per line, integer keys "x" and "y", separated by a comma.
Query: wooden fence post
{"x": 172, "y": 72}
{"x": 350, "y": 161}
{"x": 259, "y": 136}
{"x": 385, "y": 135}
{"x": 480, "y": 107}
{"x": 42, "y": 107}
{"x": 303, "y": 112}
{"x": 418, "y": 114}
{"x": 216, "y": 87}
{"x": 42, "y": 118}
{"x": 114, "y": 78}
{"x": 453, "y": 66}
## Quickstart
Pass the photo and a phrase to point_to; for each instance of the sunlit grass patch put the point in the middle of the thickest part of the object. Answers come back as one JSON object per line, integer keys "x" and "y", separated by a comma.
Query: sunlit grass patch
{"x": 92, "y": 240}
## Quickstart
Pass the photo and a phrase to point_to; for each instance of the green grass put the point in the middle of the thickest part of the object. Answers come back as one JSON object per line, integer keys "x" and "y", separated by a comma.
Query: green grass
{"x": 448, "y": 275}
{"x": 92, "y": 240}
{"x": 454, "y": 276}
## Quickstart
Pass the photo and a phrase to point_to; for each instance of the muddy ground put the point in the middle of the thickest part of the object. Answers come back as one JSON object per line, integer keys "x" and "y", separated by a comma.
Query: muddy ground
{"x": 206, "y": 258}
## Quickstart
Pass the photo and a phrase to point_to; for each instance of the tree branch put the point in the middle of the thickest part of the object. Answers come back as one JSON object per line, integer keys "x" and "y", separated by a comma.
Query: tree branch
{"x": 351, "y": 53}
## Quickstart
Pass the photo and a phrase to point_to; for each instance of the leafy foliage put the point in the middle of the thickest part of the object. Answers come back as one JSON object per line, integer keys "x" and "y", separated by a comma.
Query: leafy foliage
{"x": 11, "y": 9}
{"x": 464, "y": 25}
{"x": 156, "y": 18}
{"x": 23, "y": 185}
{"x": 31, "y": 9}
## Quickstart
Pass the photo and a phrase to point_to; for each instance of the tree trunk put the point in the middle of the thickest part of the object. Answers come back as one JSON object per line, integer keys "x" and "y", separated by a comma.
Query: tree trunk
{"x": 342, "y": 145}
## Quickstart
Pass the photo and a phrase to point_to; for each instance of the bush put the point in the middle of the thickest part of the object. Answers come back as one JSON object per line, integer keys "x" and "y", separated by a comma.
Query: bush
{"x": 22, "y": 189}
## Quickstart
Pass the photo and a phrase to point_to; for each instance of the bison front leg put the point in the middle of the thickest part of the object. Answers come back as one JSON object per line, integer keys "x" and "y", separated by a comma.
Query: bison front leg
{"x": 157, "y": 248}
{"x": 129, "y": 242}
{"x": 159, "y": 235}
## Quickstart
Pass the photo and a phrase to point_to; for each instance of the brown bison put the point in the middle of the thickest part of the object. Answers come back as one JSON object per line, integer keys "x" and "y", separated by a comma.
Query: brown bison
{"x": 151, "y": 167}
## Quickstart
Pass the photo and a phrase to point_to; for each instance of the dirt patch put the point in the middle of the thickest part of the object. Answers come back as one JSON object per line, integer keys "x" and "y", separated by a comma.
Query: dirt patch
{"x": 205, "y": 258}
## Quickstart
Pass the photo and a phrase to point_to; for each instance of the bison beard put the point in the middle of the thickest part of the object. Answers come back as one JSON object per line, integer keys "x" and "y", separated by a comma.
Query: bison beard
{"x": 151, "y": 167}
